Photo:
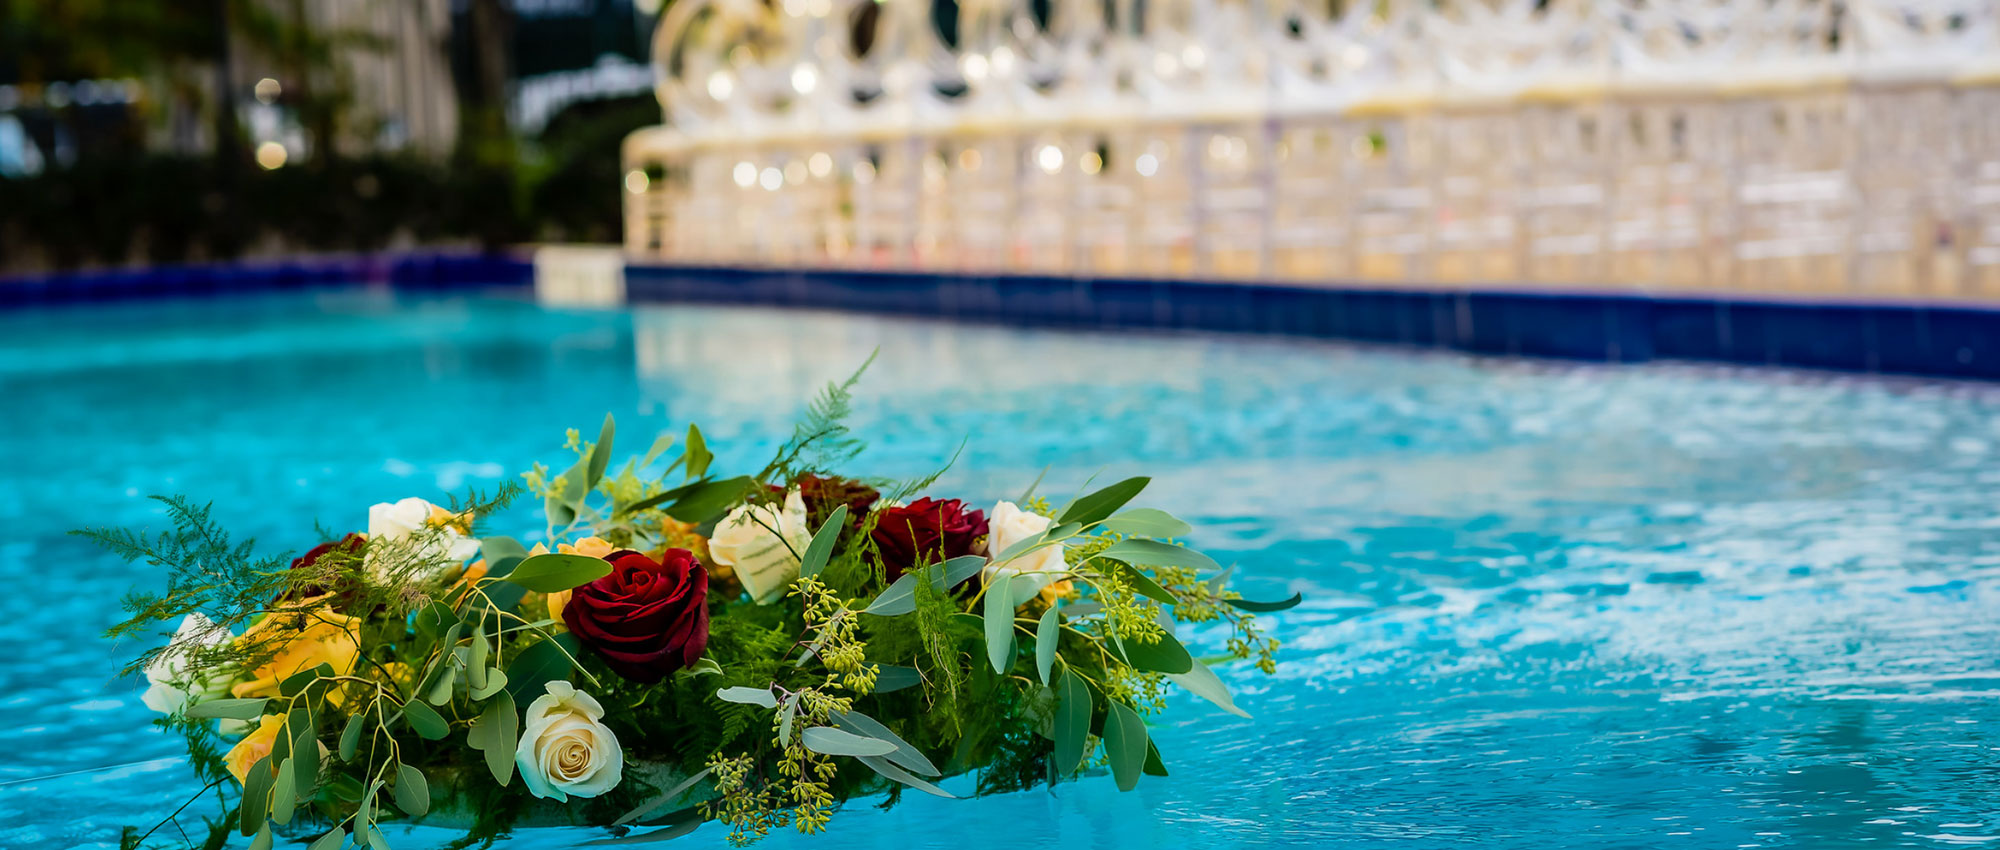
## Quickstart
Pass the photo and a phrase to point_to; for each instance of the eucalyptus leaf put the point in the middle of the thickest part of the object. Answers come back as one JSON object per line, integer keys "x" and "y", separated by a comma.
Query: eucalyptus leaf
{"x": 1144, "y": 584}
{"x": 1153, "y": 553}
{"x": 1166, "y": 655}
{"x": 1073, "y": 708}
{"x": 785, "y": 718}
{"x": 496, "y": 681}
{"x": 958, "y": 570}
{"x": 284, "y": 793}
{"x": 1096, "y": 506}
{"x": 1125, "y": 744}
{"x": 1000, "y": 623}
{"x": 330, "y": 841}
{"x": 696, "y": 453}
{"x": 829, "y": 741}
{"x": 425, "y": 720}
{"x": 1202, "y": 682}
{"x": 350, "y": 738}
{"x": 821, "y": 547}
{"x": 899, "y": 598}
{"x": 501, "y": 554}
{"x": 661, "y": 444}
{"x": 561, "y": 507}
{"x": 709, "y": 500}
{"x": 496, "y": 732}
{"x": 228, "y": 709}
{"x": 536, "y": 666}
{"x": 555, "y": 572}
{"x": 256, "y": 800}
{"x": 263, "y": 839}
{"x": 1147, "y": 522}
{"x": 888, "y": 769}
{"x": 906, "y": 756}
{"x": 475, "y": 665}
{"x": 296, "y": 683}
{"x": 439, "y": 692}
{"x": 748, "y": 696}
{"x": 1267, "y": 607}
{"x": 413, "y": 792}
{"x": 895, "y": 677}
{"x": 304, "y": 730}
{"x": 1047, "y": 634}
{"x": 667, "y": 833}
{"x": 600, "y": 456}
{"x": 1154, "y": 766}
{"x": 666, "y": 797}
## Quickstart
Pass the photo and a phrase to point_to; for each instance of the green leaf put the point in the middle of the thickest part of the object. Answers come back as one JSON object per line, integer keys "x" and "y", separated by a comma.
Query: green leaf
{"x": 661, "y": 444}
{"x": 1000, "y": 623}
{"x": 413, "y": 793}
{"x": 350, "y": 738}
{"x": 1147, "y": 522}
{"x": 304, "y": 729}
{"x": 1154, "y": 766}
{"x": 441, "y": 686}
{"x": 958, "y": 569}
{"x": 1202, "y": 682}
{"x": 475, "y": 664}
{"x": 697, "y": 455}
{"x": 256, "y": 802}
{"x": 703, "y": 666}
{"x": 905, "y": 756}
{"x": 668, "y": 833}
{"x": 374, "y": 838}
{"x": 502, "y": 554}
{"x": 1096, "y": 506}
{"x": 496, "y": 680}
{"x": 228, "y": 709}
{"x": 496, "y": 732}
{"x": 1125, "y": 743}
{"x": 1030, "y": 492}
{"x": 536, "y": 666}
{"x": 432, "y": 622}
{"x": 330, "y": 841}
{"x": 785, "y": 718}
{"x": 895, "y": 677}
{"x": 748, "y": 696}
{"x": 298, "y": 682}
{"x": 555, "y": 572}
{"x": 1153, "y": 553}
{"x": 828, "y": 741}
{"x": 561, "y": 508}
{"x": 1144, "y": 584}
{"x": 263, "y": 839}
{"x": 668, "y": 796}
{"x": 600, "y": 455}
{"x": 888, "y": 769}
{"x": 708, "y": 501}
{"x": 1073, "y": 707}
{"x": 1164, "y": 656}
{"x": 284, "y": 793}
{"x": 821, "y": 547}
{"x": 1047, "y": 633}
{"x": 426, "y": 721}
{"x": 1266, "y": 607}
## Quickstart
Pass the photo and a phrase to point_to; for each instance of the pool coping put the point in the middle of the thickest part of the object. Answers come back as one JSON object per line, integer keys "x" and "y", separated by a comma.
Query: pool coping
{"x": 1906, "y": 336}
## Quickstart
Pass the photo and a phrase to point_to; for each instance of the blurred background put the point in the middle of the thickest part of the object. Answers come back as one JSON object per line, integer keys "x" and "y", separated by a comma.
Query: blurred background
{"x": 135, "y": 133}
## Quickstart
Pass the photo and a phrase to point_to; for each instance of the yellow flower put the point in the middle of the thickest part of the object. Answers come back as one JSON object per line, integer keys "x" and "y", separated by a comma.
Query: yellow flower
{"x": 253, "y": 748}
{"x": 298, "y": 641}
{"x": 589, "y": 547}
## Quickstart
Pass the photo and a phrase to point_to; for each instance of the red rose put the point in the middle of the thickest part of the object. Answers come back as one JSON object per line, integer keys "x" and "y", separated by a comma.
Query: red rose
{"x": 928, "y": 529}
{"x": 646, "y": 618}
{"x": 344, "y": 591}
{"x": 823, "y": 494}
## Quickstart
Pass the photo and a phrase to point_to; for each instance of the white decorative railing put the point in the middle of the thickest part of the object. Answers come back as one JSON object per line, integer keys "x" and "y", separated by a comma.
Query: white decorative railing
{"x": 1766, "y": 145}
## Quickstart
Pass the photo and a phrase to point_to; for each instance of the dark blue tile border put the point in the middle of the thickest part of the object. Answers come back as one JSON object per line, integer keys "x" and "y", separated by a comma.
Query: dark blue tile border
{"x": 419, "y": 271}
{"x": 1936, "y": 339}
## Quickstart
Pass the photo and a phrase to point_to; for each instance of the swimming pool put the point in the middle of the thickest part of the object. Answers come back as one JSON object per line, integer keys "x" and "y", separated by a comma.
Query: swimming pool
{"x": 1546, "y": 605}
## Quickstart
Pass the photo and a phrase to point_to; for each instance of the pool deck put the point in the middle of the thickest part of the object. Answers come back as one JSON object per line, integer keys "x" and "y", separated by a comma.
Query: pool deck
{"x": 1951, "y": 339}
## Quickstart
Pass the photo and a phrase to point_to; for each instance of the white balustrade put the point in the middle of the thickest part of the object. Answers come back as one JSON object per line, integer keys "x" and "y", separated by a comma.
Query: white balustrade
{"x": 1767, "y": 145}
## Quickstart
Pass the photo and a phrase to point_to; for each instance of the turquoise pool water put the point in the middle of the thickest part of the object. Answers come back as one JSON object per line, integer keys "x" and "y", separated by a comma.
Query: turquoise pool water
{"x": 1547, "y": 605}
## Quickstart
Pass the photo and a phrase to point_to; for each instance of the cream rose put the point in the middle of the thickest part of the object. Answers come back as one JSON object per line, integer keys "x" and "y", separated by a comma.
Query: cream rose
{"x": 1010, "y": 525}
{"x": 414, "y": 528}
{"x": 170, "y": 684}
{"x": 763, "y": 546}
{"x": 564, "y": 751}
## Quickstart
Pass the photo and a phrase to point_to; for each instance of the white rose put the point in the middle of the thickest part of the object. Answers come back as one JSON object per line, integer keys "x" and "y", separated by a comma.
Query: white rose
{"x": 1010, "y": 525}
{"x": 414, "y": 528}
{"x": 564, "y": 751}
{"x": 171, "y": 685}
{"x": 763, "y": 546}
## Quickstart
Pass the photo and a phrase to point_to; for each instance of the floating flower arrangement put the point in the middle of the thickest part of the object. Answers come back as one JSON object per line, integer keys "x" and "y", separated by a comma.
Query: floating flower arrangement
{"x": 749, "y": 649}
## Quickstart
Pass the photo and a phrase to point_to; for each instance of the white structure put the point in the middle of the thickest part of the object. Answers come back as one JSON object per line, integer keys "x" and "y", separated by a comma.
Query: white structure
{"x": 1763, "y": 145}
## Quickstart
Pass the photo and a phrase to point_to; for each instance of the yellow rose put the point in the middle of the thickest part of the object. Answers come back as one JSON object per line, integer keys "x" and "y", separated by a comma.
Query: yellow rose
{"x": 298, "y": 641}
{"x": 589, "y": 547}
{"x": 253, "y": 748}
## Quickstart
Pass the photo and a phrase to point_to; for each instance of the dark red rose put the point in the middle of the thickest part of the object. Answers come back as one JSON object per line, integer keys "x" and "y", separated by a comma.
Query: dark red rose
{"x": 930, "y": 530}
{"x": 350, "y": 545}
{"x": 647, "y": 618}
{"x": 822, "y": 495}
